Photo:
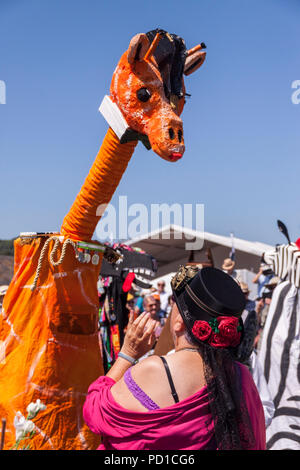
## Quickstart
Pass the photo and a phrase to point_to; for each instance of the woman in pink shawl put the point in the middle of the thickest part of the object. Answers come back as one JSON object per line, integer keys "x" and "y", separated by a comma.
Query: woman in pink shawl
{"x": 197, "y": 398}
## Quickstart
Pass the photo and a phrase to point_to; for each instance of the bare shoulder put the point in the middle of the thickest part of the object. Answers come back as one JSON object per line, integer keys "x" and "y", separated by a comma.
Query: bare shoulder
{"x": 150, "y": 365}
{"x": 146, "y": 375}
{"x": 142, "y": 372}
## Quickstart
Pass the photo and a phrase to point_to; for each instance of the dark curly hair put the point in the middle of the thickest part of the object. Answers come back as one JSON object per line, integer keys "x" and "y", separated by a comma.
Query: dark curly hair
{"x": 232, "y": 425}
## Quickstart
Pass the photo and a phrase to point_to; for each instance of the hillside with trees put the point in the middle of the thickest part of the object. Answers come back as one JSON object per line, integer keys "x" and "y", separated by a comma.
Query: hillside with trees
{"x": 6, "y": 261}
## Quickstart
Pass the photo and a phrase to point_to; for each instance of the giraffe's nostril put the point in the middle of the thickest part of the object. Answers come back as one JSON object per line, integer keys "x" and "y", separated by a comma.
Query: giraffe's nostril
{"x": 180, "y": 135}
{"x": 171, "y": 133}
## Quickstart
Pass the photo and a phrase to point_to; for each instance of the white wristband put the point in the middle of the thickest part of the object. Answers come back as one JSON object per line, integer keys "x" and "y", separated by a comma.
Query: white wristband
{"x": 128, "y": 358}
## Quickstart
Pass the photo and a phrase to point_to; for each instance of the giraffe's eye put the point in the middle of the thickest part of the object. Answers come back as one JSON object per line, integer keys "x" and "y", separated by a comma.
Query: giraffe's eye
{"x": 143, "y": 94}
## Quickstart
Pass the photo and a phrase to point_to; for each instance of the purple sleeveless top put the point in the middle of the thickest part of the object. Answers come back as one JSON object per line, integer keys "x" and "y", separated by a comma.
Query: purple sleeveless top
{"x": 138, "y": 393}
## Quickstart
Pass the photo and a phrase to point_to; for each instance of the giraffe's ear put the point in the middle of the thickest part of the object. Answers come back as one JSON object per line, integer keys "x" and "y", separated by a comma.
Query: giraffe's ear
{"x": 194, "y": 60}
{"x": 138, "y": 47}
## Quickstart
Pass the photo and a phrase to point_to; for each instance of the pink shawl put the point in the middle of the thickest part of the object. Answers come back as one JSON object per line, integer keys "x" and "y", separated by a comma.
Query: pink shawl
{"x": 186, "y": 425}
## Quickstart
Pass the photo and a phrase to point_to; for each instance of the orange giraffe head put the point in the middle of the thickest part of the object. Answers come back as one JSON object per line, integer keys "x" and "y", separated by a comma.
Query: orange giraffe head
{"x": 148, "y": 88}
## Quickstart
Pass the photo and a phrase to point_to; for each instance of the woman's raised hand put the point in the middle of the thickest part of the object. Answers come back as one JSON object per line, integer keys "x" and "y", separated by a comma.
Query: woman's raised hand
{"x": 139, "y": 336}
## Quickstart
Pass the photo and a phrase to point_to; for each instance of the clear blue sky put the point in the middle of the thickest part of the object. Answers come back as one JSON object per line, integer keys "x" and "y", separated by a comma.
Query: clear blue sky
{"x": 242, "y": 131}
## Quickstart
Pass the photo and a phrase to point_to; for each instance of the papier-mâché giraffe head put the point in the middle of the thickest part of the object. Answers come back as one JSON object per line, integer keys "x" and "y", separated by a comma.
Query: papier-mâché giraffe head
{"x": 148, "y": 88}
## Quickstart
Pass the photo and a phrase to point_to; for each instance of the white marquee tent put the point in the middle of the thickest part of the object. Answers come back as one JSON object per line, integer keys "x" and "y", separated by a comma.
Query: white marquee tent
{"x": 170, "y": 246}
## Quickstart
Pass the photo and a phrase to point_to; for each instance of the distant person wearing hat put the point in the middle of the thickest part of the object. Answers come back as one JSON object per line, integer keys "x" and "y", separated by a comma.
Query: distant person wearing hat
{"x": 160, "y": 314}
{"x": 263, "y": 305}
{"x": 250, "y": 304}
{"x": 199, "y": 397}
{"x": 164, "y": 296}
{"x": 262, "y": 278}
{"x": 251, "y": 326}
{"x": 228, "y": 268}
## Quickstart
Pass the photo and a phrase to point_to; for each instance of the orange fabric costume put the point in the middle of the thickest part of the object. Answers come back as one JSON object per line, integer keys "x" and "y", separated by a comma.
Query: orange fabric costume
{"x": 49, "y": 348}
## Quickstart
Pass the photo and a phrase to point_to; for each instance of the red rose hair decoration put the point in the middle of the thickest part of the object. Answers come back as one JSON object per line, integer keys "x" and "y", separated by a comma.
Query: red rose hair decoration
{"x": 220, "y": 332}
{"x": 202, "y": 330}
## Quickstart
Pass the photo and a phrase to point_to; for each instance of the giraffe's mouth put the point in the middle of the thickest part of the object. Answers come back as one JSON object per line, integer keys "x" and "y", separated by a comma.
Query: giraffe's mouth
{"x": 175, "y": 156}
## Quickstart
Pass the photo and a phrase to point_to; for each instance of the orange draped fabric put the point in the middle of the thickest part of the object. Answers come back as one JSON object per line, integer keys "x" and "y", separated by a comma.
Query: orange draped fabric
{"x": 49, "y": 346}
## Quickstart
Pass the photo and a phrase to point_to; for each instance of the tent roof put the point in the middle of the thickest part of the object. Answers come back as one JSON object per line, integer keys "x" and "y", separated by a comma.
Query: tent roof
{"x": 168, "y": 246}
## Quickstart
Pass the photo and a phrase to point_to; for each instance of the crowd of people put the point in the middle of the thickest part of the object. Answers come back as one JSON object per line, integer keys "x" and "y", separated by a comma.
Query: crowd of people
{"x": 194, "y": 387}
{"x": 159, "y": 302}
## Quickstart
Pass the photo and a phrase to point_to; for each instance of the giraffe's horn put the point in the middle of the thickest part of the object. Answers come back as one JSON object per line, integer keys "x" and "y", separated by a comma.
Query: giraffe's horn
{"x": 153, "y": 46}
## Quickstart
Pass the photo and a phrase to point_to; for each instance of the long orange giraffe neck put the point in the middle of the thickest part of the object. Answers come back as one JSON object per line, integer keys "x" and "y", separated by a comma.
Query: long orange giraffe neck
{"x": 98, "y": 188}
